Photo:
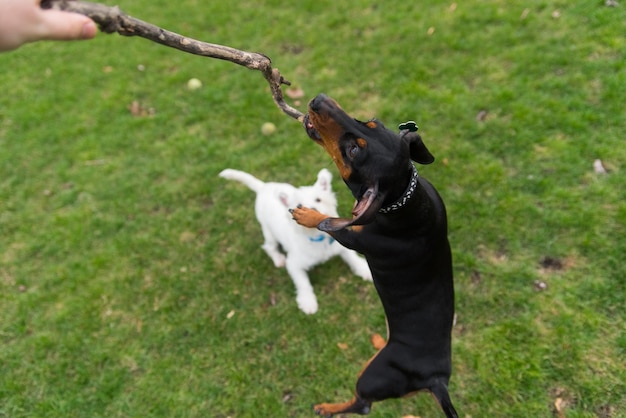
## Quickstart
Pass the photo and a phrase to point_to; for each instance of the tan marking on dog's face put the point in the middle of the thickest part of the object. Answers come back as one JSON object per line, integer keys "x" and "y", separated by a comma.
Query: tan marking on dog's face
{"x": 331, "y": 132}
{"x": 371, "y": 124}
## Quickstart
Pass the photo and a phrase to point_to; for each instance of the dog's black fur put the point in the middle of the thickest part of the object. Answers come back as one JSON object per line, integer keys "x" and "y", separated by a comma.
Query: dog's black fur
{"x": 399, "y": 224}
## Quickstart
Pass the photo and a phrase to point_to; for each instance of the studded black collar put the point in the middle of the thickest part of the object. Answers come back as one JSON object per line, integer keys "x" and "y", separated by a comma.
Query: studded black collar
{"x": 406, "y": 196}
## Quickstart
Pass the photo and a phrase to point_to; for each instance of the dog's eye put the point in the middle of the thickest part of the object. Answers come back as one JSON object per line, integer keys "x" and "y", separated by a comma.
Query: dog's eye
{"x": 318, "y": 200}
{"x": 353, "y": 150}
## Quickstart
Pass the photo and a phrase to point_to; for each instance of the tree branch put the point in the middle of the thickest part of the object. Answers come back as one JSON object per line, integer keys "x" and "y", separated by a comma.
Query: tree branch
{"x": 113, "y": 20}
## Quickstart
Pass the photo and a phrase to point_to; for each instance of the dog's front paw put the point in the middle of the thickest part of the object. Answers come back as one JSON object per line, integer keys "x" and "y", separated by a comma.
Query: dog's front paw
{"x": 278, "y": 259}
{"x": 307, "y": 217}
{"x": 307, "y": 304}
{"x": 320, "y": 409}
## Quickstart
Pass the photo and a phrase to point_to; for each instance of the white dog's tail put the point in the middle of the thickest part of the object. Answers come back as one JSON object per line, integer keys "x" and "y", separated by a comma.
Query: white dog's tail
{"x": 249, "y": 180}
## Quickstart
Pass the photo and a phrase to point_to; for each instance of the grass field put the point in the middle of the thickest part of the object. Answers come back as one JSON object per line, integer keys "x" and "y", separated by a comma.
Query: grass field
{"x": 132, "y": 282}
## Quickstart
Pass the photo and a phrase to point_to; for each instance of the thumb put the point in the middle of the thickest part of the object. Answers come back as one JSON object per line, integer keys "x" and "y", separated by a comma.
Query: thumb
{"x": 65, "y": 26}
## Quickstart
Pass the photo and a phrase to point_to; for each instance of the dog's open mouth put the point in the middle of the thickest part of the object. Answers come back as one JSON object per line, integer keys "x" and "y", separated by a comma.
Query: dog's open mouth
{"x": 363, "y": 205}
{"x": 363, "y": 212}
{"x": 310, "y": 129}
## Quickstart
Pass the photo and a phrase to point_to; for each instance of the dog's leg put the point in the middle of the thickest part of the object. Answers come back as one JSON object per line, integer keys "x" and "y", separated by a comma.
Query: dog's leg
{"x": 381, "y": 379}
{"x": 307, "y": 217}
{"x": 357, "y": 264}
{"x": 311, "y": 218}
{"x": 355, "y": 406}
{"x": 305, "y": 296}
{"x": 271, "y": 247}
{"x": 440, "y": 392}
{"x": 367, "y": 384}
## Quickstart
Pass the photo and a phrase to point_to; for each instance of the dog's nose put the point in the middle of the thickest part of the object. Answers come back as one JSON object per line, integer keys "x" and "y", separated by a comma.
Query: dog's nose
{"x": 317, "y": 102}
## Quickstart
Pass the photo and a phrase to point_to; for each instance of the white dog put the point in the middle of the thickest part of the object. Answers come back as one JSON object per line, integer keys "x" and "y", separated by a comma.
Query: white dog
{"x": 305, "y": 247}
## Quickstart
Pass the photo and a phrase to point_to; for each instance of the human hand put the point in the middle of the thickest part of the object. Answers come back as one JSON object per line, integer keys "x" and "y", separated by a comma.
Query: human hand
{"x": 23, "y": 21}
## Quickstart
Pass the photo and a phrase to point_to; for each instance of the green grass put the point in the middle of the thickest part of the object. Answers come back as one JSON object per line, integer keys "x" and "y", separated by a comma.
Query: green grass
{"x": 132, "y": 283}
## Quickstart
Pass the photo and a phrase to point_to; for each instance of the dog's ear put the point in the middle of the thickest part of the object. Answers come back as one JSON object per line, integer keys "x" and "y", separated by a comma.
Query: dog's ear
{"x": 418, "y": 151}
{"x": 324, "y": 178}
{"x": 284, "y": 199}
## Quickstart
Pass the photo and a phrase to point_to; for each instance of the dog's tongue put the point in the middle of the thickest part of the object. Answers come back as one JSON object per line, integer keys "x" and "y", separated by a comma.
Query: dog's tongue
{"x": 361, "y": 207}
{"x": 363, "y": 212}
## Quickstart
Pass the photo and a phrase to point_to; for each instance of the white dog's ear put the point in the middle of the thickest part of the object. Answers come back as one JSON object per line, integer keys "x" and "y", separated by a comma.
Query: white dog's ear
{"x": 284, "y": 199}
{"x": 324, "y": 180}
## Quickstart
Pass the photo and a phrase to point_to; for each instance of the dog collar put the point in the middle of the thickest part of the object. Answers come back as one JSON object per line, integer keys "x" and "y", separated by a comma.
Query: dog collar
{"x": 406, "y": 196}
{"x": 321, "y": 238}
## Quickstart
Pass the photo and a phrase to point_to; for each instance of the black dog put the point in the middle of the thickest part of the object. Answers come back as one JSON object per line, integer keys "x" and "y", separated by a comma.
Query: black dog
{"x": 399, "y": 224}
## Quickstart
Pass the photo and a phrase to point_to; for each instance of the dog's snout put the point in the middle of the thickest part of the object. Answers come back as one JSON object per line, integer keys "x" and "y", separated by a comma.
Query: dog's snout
{"x": 323, "y": 104}
{"x": 316, "y": 103}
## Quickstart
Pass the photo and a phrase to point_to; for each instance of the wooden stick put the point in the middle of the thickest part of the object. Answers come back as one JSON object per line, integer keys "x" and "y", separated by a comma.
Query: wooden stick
{"x": 113, "y": 20}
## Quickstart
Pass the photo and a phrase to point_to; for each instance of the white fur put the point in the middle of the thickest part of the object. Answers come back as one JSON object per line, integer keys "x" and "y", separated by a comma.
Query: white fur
{"x": 304, "y": 247}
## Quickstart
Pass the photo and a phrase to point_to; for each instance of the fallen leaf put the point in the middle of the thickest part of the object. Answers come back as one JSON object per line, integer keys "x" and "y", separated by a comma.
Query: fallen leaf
{"x": 559, "y": 405}
{"x": 540, "y": 285}
{"x": 378, "y": 342}
{"x": 342, "y": 346}
{"x": 138, "y": 110}
{"x": 230, "y": 314}
{"x": 598, "y": 167}
{"x": 294, "y": 93}
{"x": 287, "y": 396}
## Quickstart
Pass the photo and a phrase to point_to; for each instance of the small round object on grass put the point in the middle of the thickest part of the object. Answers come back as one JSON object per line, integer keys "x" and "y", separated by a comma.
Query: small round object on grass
{"x": 194, "y": 84}
{"x": 268, "y": 128}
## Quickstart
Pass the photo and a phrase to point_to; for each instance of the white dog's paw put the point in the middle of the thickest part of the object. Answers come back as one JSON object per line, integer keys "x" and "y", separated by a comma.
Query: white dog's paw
{"x": 279, "y": 260}
{"x": 277, "y": 257}
{"x": 365, "y": 274}
{"x": 357, "y": 264}
{"x": 363, "y": 271}
{"x": 307, "y": 303}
